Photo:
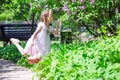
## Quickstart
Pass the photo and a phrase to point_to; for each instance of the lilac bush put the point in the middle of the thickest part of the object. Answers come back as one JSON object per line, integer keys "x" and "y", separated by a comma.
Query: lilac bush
{"x": 80, "y": 1}
{"x": 73, "y": 0}
{"x": 91, "y": 1}
{"x": 64, "y": 7}
{"x": 83, "y": 12}
{"x": 30, "y": 4}
{"x": 94, "y": 12}
{"x": 81, "y": 7}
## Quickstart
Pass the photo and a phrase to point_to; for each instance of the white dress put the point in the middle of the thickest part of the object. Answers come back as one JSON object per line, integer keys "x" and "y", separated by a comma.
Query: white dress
{"x": 41, "y": 45}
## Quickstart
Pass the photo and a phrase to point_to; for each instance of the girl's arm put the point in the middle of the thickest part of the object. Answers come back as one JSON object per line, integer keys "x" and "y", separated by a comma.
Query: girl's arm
{"x": 36, "y": 32}
{"x": 55, "y": 32}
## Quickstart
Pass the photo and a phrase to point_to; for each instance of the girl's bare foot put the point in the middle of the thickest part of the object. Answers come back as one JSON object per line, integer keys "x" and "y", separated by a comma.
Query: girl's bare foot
{"x": 15, "y": 41}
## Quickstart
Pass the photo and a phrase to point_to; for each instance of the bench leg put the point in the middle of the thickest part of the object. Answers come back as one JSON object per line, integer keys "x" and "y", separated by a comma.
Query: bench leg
{"x": 4, "y": 43}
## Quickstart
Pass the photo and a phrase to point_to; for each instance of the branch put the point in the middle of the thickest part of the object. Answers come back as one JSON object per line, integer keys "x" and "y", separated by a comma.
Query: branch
{"x": 90, "y": 31}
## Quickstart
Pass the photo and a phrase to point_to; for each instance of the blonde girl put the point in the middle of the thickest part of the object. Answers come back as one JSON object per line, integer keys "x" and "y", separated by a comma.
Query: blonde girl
{"x": 39, "y": 43}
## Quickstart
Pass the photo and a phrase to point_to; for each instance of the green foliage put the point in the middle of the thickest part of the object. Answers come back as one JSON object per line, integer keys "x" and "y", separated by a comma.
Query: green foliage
{"x": 94, "y": 60}
{"x": 11, "y": 53}
{"x": 85, "y": 61}
{"x": 98, "y": 13}
{"x": 27, "y": 9}
{"x": 8, "y": 14}
{"x": 23, "y": 62}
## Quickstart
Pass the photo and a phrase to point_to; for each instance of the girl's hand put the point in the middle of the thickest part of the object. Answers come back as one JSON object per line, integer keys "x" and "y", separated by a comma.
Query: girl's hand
{"x": 31, "y": 41}
{"x": 57, "y": 22}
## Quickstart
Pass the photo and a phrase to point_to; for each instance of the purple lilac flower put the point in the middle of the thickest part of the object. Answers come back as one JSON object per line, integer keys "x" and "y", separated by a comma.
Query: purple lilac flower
{"x": 68, "y": 11}
{"x": 64, "y": 7}
{"x": 73, "y": 0}
{"x": 81, "y": 7}
{"x": 80, "y": 1}
{"x": 30, "y": 4}
{"x": 91, "y": 1}
{"x": 74, "y": 13}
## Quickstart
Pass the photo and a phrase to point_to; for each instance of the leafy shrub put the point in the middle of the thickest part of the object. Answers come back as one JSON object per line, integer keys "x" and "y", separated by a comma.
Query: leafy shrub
{"x": 95, "y": 60}
{"x": 10, "y": 52}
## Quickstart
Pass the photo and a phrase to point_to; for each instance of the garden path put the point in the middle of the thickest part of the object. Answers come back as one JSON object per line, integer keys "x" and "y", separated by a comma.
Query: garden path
{"x": 10, "y": 71}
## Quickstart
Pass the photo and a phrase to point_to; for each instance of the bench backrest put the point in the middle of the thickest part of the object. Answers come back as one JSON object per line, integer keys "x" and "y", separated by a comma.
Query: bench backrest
{"x": 20, "y": 31}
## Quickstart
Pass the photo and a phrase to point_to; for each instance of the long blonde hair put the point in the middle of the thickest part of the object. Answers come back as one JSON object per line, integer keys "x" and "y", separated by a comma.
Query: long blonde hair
{"x": 45, "y": 17}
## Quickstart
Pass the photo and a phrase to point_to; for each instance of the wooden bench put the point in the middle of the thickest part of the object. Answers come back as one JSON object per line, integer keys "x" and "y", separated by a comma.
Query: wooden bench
{"x": 24, "y": 31}
{"x": 19, "y": 31}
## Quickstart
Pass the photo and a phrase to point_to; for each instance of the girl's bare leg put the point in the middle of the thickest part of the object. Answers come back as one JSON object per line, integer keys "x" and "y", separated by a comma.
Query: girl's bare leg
{"x": 19, "y": 47}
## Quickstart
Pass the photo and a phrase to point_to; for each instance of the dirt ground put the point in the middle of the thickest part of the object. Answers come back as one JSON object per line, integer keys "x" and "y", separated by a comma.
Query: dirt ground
{"x": 10, "y": 71}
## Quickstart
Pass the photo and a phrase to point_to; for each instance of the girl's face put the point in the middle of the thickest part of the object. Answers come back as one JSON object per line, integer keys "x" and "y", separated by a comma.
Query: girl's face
{"x": 50, "y": 17}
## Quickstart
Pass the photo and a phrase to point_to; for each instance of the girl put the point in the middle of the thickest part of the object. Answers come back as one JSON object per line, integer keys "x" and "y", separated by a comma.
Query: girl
{"x": 39, "y": 43}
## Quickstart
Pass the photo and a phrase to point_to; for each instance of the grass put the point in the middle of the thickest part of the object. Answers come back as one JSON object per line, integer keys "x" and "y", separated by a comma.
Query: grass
{"x": 1, "y": 43}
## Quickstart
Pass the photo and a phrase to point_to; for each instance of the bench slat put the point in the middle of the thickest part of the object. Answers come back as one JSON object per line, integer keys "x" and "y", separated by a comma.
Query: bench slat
{"x": 20, "y": 31}
{"x": 17, "y": 25}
